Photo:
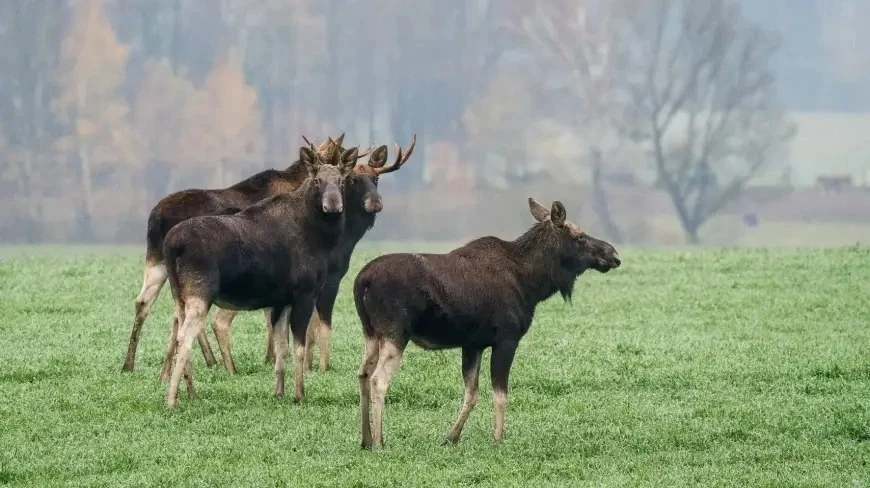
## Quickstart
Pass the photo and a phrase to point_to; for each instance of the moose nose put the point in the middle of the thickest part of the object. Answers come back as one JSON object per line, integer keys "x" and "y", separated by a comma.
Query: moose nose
{"x": 616, "y": 262}
{"x": 332, "y": 207}
{"x": 332, "y": 201}
{"x": 374, "y": 205}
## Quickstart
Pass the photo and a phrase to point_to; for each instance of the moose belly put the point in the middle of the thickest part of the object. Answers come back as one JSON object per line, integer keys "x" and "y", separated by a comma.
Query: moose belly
{"x": 251, "y": 294}
{"x": 427, "y": 343}
{"x": 445, "y": 334}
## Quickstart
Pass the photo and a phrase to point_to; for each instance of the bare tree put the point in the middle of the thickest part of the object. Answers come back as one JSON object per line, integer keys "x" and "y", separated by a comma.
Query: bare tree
{"x": 579, "y": 37}
{"x": 703, "y": 101}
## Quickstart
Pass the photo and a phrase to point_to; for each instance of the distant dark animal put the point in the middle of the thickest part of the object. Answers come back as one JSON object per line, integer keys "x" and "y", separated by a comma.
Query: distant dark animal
{"x": 480, "y": 295}
{"x": 182, "y": 205}
{"x": 363, "y": 204}
{"x": 273, "y": 254}
{"x": 834, "y": 183}
{"x": 750, "y": 219}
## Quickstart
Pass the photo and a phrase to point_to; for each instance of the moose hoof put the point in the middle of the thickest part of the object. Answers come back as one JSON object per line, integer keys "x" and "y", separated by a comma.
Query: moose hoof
{"x": 449, "y": 441}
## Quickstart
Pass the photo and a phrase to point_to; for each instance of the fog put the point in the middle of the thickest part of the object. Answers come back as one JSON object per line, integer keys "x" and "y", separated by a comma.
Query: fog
{"x": 656, "y": 122}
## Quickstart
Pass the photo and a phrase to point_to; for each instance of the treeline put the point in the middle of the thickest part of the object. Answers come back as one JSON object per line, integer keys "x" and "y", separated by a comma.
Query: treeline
{"x": 108, "y": 105}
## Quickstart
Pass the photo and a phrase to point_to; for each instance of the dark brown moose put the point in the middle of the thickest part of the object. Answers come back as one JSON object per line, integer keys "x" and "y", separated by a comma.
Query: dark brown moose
{"x": 363, "y": 204}
{"x": 480, "y": 295}
{"x": 182, "y": 205}
{"x": 273, "y": 254}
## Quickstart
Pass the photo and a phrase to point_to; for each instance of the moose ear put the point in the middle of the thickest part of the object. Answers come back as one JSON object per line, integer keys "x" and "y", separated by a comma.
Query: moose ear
{"x": 309, "y": 159}
{"x": 539, "y": 212}
{"x": 348, "y": 160}
{"x": 379, "y": 157}
{"x": 557, "y": 214}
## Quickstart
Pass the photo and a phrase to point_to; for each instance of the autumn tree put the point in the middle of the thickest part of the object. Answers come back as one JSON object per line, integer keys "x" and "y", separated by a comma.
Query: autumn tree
{"x": 576, "y": 44}
{"x": 30, "y": 34}
{"x": 703, "y": 101}
{"x": 221, "y": 124}
{"x": 159, "y": 118}
{"x": 496, "y": 124}
{"x": 98, "y": 136}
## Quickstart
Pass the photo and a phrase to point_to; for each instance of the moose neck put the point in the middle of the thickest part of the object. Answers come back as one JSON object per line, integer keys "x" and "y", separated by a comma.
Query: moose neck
{"x": 357, "y": 223}
{"x": 542, "y": 272}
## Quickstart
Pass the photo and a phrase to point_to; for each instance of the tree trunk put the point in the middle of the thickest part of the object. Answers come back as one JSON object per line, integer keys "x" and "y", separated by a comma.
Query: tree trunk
{"x": 691, "y": 231}
{"x": 86, "y": 216}
{"x": 599, "y": 200}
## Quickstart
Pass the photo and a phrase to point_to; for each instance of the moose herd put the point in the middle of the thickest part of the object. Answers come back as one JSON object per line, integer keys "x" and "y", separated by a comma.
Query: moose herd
{"x": 282, "y": 240}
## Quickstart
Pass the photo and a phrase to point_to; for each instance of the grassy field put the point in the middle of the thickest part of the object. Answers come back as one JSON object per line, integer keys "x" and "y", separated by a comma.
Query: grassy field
{"x": 702, "y": 368}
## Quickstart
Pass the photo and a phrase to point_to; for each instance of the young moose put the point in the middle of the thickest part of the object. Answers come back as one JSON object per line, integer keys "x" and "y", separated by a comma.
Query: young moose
{"x": 480, "y": 295}
{"x": 273, "y": 254}
{"x": 362, "y": 206}
{"x": 180, "y": 206}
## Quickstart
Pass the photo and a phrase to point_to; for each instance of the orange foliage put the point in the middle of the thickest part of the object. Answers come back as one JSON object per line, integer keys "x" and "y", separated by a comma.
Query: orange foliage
{"x": 98, "y": 135}
{"x": 222, "y": 121}
{"x": 157, "y": 109}
{"x": 92, "y": 69}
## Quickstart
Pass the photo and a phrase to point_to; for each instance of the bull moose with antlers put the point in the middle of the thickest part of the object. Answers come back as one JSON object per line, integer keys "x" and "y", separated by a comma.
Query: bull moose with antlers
{"x": 271, "y": 255}
{"x": 363, "y": 203}
{"x": 180, "y": 206}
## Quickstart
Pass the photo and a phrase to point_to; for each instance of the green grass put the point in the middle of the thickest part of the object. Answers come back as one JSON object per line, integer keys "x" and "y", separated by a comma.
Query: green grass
{"x": 701, "y": 368}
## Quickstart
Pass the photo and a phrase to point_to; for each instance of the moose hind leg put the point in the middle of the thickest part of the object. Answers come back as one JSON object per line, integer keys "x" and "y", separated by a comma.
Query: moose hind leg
{"x": 188, "y": 380}
{"x": 389, "y": 360}
{"x": 155, "y": 278}
{"x": 223, "y": 319}
{"x": 470, "y": 373}
{"x": 369, "y": 362}
{"x": 177, "y": 320}
{"x": 195, "y": 311}
{"x": 270, "y": 349}
{"x": 205, "y": 347}
{"x": 279, "y": 339}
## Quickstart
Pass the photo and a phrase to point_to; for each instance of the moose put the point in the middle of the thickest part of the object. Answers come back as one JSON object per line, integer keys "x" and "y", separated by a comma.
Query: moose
{"x": 363, "y": 204}
{"x": 481, "y": 295}
{"x": 272, "y": 255}
{"x": 182, "y": 205}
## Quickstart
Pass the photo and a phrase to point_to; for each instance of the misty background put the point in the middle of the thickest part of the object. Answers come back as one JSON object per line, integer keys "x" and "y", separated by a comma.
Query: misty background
{"x": 656, "y": 122}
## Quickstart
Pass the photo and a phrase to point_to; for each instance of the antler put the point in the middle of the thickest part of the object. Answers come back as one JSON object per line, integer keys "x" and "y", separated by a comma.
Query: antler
{"x": 309, "y": 143}
{"x": 400, "y": 157}
{"x": 367, "y": 151}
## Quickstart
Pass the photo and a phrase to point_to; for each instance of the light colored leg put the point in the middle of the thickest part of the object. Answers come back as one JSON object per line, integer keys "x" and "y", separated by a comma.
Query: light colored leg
{"x": 270, "y": 347}
{"x": 279, "y": 337}
{"x": 324, "y": 335}
{"x": 155, "y": 278}
{"x": 188, "y": 380}
{"x": 205, "y": 347}
{"x": 470, "y": 373}
{"x": 223, "y": 319}
{"x": 195, "y": 311}
{"x": 311, "y": 337}
{"x": 369, "y": 362}
{"x": 390, "y": 358}
{"x": 177, "y": 320}
{"x": 499, "y": 399}
{"x": 298, "y": 370}
{"x": 500, "y": 367}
